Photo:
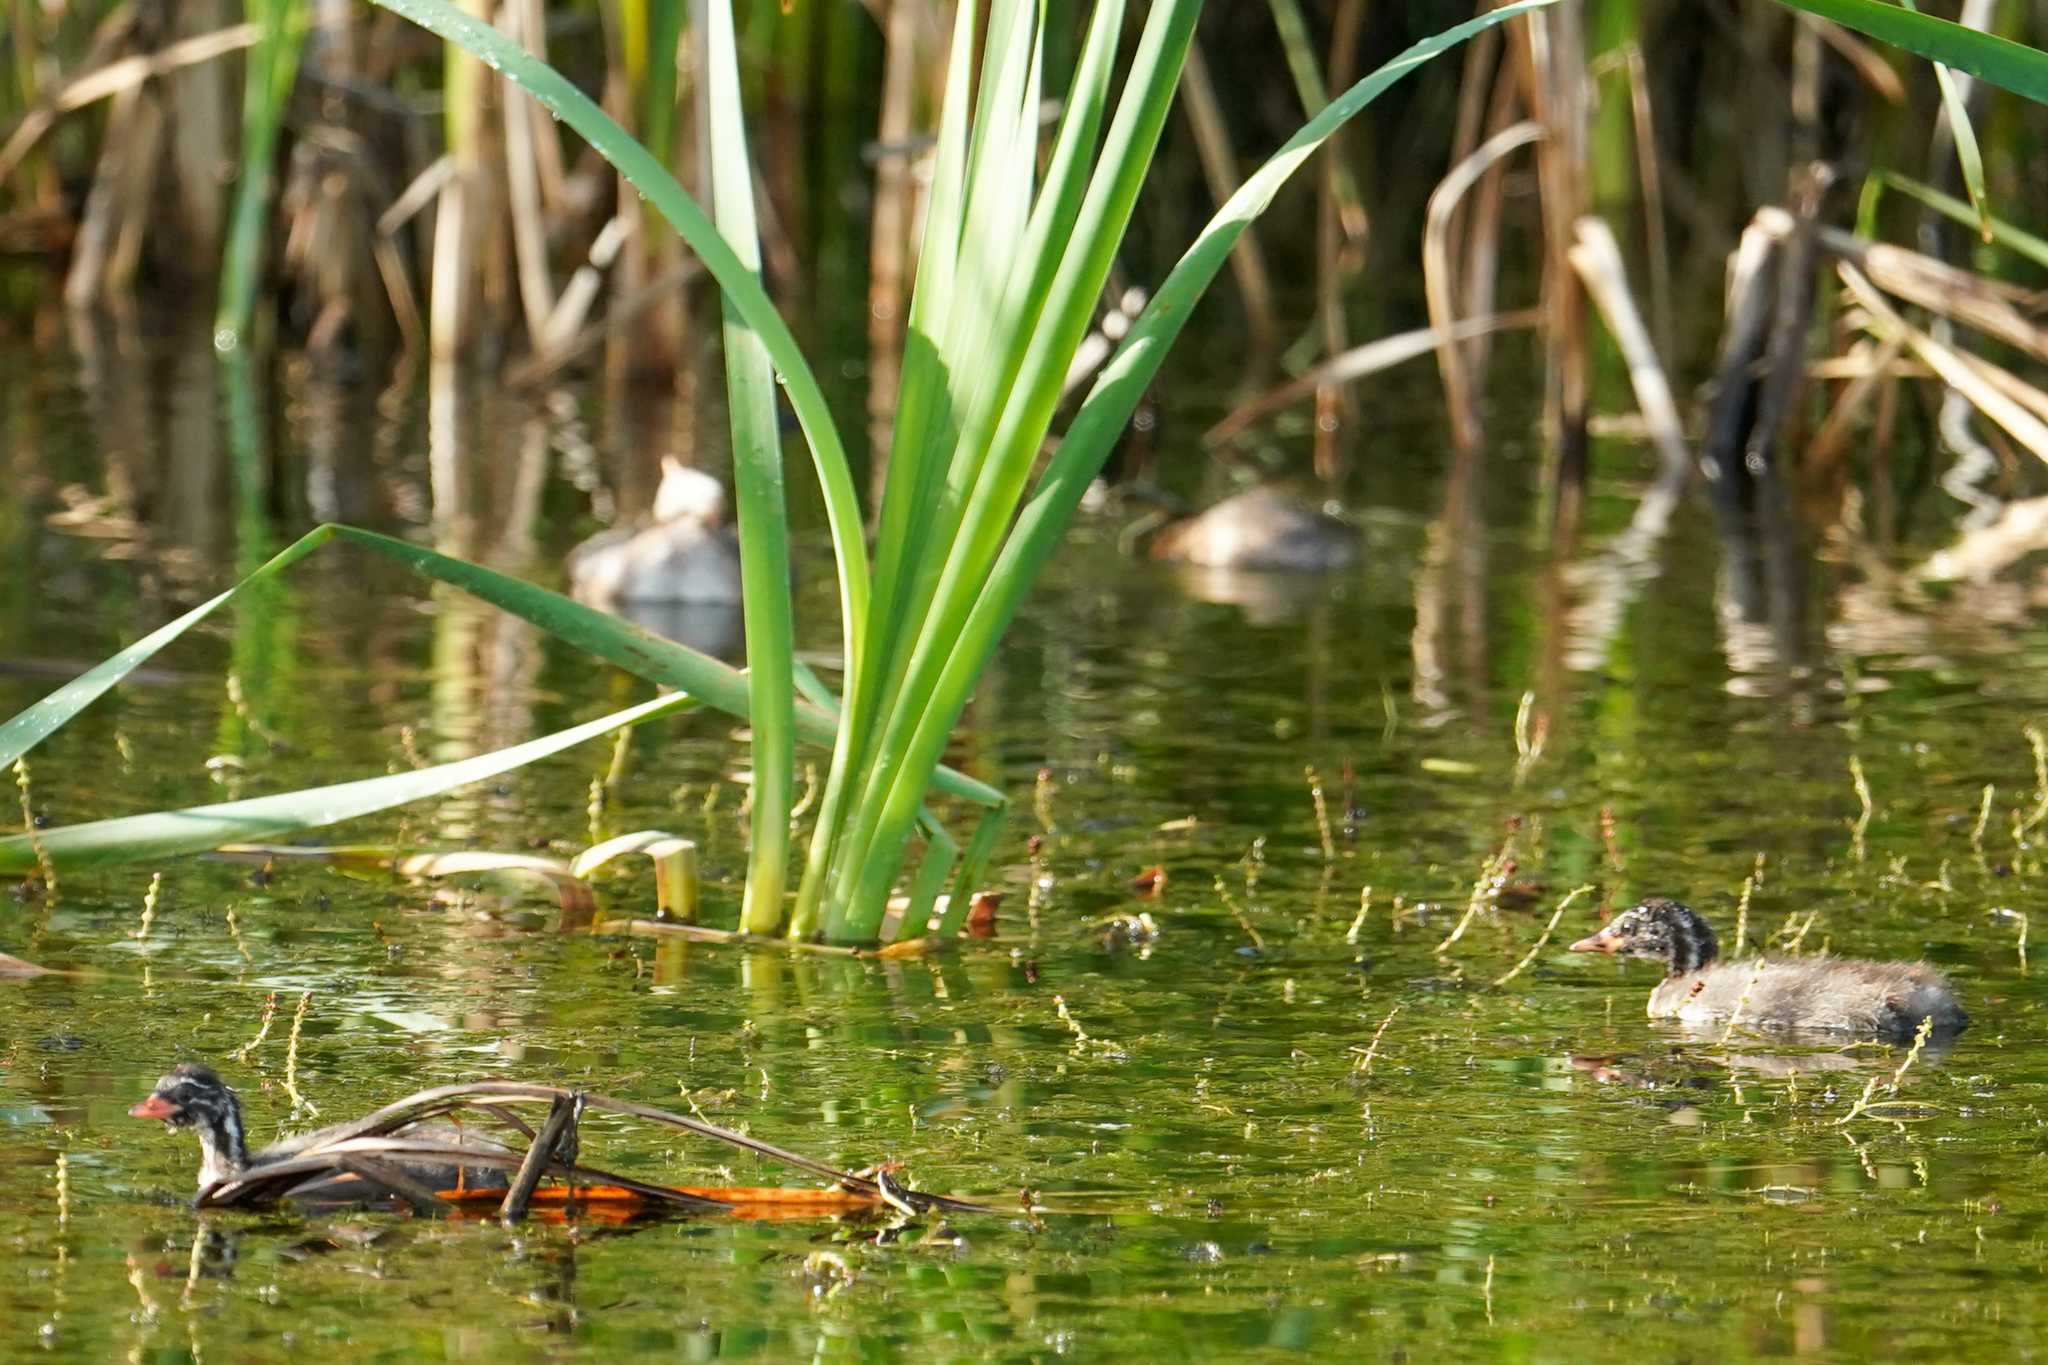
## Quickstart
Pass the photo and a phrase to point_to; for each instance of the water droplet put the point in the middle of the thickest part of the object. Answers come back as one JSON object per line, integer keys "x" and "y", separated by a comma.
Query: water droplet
{"x": 225, "y": 340}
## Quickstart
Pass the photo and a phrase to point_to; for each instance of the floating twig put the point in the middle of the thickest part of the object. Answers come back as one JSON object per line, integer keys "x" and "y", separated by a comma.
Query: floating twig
{"x": 291, "y": 1058}
{"x": 1244, "y": 920}
{"x": 2038, "y": 742}
{"x": 149, "y": 897}
{"x": 1315, "y": 792}
{"x": 1607, "y": 836}
{"x": 243, "y": 1053}
{"x": 1920, "y": 1037}
{"x": 247, "y": 715}
{"x": 622, "y": 755}
{"x": 1492, "y": 876}
{"x": 1862, "y": 821}
{"x": 35, "y": 838}
{"x": 1749, "y": 886}
{"x": 1544, "y": 937}
{"x": 1983, "y": 819}
{"x": 1364, "y": 904}
{"x": 1363, "y": 1067}
{"x": 1531, "y": 732}
{"x": 1742, "y": 1001}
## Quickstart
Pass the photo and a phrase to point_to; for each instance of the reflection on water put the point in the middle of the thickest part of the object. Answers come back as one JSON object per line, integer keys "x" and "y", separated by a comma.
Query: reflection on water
{"x": 1532, "y": 1169}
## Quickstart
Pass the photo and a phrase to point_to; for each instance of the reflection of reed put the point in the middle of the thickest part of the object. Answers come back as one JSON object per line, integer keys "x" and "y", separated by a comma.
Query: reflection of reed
{"x": 1450, "y": 585}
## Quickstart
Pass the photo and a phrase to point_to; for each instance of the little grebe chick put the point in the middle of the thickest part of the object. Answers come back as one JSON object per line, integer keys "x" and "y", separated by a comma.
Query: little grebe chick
{"x": 193, "y": 1096}
{"x": 1262, "y": 529}
{"x": 683, "y": 552}
{"x": 1832, "y": 994}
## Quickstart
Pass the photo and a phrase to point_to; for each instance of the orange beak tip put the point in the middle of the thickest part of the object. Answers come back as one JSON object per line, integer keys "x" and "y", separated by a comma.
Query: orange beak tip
{"x": 155, "y": 1107}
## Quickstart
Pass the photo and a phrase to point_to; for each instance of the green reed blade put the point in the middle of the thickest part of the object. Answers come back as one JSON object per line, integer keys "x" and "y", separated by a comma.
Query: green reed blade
{"x": 1968, "y": 158}
{"x": 2014, "y": 239}
{"x": 757, "y": 485}
{"x": 1082, "y": 452}
{"x": 2009, "y": 65}
{"x": 163, "y": 834}
{"x": 868, "y": 858}
{"x": 270, "y": 72}
{"x": 715, "y": 683}
{"x": 967, "y": 882}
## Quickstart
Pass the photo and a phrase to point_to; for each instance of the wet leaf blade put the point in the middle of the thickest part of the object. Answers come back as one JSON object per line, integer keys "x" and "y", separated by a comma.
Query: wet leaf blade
{"x": 2006, "y": 64}
{"x": 757, "y": 483}
{"x": 199, "y": 828}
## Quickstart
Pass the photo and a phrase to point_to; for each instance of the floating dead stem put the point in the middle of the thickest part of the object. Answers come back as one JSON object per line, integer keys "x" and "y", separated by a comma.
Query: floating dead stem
{"x": 376, "y": 1153}
{"x": 1486, "y": 890}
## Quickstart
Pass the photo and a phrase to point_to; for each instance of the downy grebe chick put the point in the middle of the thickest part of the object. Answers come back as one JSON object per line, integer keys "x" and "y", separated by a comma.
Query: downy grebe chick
{"x": 192, "y": 1096}
{"x": 684, "y": 552}
{"x": 1262, "y": 528}
{"x": 1832, "y": 994}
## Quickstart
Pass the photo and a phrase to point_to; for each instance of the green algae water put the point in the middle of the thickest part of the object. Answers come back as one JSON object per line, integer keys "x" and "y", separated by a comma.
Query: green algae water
{"x": 1300, "y": 1120}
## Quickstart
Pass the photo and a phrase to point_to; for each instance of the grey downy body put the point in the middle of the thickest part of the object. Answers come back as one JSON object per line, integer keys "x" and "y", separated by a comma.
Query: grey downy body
{"x": 683, "y": 552}
{"x": 1261, "y": 529}
{"x": 1821, "y": 993}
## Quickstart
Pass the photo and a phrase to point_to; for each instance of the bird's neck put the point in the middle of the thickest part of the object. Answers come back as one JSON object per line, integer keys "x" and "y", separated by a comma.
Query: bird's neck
{"x": 1692, "y": 946}
{"x": 223, "y": 1151}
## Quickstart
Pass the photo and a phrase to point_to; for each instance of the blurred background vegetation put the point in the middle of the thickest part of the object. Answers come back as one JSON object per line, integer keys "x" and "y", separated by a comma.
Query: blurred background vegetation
{"x": 402, "y": 204}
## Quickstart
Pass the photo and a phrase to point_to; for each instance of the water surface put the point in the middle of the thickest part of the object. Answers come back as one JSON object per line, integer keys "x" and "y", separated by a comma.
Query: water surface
{"x": 1528, "y": 1171}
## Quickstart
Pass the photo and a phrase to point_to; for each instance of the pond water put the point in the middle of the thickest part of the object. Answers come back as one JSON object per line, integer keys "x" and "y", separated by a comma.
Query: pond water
{"x": 1280, "y": 1129}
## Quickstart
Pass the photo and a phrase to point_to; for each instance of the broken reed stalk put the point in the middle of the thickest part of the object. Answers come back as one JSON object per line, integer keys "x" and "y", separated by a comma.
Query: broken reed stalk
{"x": 1966, "y": 377}
{"x": 1656, "y": 239}
{"x": 1360, "y": 362}
{"x": 563, "y": 1116}
{"x": 1221, "y": 173}
{"x": 1439, "y": 281}
{"x": 1315, "y": 792}
{"x": 1544, "y": 937}
{"x": 1596, "y": 256}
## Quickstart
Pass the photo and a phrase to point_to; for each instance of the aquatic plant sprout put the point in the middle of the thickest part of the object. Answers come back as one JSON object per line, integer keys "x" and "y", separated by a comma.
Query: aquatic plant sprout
{"x": 1008, "y": 278}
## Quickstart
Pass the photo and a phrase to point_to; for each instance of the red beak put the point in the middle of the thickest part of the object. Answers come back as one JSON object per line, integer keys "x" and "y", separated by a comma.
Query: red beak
{"x": 155, "y": 1107}
{"x": 1598, "y": 943}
